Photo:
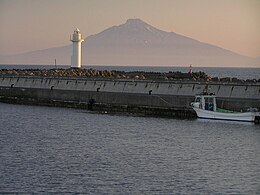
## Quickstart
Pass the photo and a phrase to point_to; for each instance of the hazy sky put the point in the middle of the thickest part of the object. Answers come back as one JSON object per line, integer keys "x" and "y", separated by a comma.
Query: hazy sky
{"x": 27, "y": 25}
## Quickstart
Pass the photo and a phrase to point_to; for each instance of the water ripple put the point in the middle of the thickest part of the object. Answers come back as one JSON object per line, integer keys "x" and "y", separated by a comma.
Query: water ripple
{"x": 57, "y": 150}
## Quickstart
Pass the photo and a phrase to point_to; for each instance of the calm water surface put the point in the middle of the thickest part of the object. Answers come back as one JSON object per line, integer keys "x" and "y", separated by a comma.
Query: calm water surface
{"x": 56, "y": 150}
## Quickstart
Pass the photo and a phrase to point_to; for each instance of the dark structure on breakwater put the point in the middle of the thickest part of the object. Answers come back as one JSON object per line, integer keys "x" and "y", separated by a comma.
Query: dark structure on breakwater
{"x": 161, "y": 98}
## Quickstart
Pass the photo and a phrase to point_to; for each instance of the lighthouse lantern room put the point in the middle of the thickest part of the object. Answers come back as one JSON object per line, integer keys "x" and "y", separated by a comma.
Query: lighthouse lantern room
{"x": 76, "y": 39}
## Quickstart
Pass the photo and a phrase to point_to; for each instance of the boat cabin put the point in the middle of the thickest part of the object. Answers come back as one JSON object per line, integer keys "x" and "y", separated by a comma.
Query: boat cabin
{"x": 205, "y": 102}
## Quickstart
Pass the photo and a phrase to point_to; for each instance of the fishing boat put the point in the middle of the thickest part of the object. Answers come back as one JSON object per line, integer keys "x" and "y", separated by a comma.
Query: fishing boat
{"x": 205, "y": 107}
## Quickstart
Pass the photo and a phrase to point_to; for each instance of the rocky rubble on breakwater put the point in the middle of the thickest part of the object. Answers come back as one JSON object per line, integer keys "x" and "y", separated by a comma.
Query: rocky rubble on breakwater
{"x": 114, "y": 74}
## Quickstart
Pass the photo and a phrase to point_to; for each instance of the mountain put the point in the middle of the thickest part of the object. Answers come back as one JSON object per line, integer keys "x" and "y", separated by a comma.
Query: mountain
{"x": 137, "y": 43}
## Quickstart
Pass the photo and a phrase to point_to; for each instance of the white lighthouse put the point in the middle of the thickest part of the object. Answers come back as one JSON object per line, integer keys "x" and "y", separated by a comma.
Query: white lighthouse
{"x": 76, "y": 55}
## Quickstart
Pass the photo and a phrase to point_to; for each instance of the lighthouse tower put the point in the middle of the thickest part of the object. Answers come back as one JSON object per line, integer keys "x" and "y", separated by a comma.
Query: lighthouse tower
{"x": 76, "y": 39}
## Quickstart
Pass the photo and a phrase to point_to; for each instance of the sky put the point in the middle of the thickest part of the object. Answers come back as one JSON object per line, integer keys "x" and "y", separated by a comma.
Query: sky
{"x": 28, "y": 25}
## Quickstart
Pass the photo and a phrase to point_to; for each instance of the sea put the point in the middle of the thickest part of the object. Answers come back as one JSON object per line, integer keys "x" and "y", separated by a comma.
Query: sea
{"x": 51, "y": 150}
{"x": 221, "y": 72}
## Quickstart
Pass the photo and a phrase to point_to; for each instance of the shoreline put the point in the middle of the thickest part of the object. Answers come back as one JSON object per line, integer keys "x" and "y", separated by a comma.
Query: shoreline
{"x": 116, "y": 74}
{"x": 136, "y": 92}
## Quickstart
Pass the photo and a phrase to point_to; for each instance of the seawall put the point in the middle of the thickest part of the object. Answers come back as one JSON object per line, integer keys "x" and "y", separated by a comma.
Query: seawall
{"x": 164, "y": 98}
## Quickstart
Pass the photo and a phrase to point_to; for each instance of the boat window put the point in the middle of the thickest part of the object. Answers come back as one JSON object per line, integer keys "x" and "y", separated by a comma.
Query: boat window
{"x": 209, "y": 104}
{"x": 197, "y": 99}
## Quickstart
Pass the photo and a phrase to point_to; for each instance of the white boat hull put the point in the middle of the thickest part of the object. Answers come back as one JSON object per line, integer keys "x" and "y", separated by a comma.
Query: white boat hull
{"x": 243, "y": 116}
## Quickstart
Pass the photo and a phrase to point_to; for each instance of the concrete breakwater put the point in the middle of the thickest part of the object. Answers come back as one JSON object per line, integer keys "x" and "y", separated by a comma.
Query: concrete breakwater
{"x": 163, "y": 98}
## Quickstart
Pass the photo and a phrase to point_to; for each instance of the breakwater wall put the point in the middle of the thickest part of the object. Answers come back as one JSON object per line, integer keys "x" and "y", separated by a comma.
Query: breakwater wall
{"x": 170, "y": 98}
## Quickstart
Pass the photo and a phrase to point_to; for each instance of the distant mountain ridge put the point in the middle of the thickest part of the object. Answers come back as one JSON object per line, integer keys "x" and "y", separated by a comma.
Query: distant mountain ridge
{"x": 137, "y": 43}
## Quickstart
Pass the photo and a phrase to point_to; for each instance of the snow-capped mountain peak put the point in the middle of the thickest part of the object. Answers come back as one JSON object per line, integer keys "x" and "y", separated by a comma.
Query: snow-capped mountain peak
{"x": 137, "y": 43}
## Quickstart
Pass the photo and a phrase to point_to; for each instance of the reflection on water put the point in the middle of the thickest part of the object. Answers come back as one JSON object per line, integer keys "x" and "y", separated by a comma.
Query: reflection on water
{"x": 56, "y": 150}
{"x": 226, "y": 122}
